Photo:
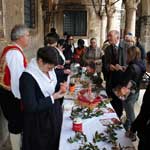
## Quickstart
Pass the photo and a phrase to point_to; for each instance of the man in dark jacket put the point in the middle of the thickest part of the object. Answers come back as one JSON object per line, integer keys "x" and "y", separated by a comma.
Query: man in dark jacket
{"x": 114, "y": 62}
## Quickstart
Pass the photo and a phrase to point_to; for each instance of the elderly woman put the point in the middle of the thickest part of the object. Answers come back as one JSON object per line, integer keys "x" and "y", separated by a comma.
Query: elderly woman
{"x": 42, "y": 110}
{"x": 130, "y": 84}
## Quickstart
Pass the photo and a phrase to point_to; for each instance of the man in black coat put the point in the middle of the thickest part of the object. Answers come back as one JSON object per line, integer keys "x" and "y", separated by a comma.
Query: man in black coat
{"x": 114, "y": 64}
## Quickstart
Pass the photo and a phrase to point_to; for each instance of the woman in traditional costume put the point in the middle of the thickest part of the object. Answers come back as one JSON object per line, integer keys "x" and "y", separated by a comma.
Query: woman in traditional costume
{"x": 42, "y": 109}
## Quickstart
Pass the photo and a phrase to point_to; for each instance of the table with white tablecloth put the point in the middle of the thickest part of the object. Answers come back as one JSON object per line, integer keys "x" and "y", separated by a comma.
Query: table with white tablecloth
{"x": 90, "y": 126}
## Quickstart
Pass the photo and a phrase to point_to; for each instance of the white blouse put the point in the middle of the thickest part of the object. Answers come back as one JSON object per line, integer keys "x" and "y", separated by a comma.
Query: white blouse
{"x": 15, "y": 64}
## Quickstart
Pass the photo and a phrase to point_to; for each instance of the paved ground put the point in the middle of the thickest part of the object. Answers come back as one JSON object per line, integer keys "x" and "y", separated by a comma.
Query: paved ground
{"x": 6, "y": 146}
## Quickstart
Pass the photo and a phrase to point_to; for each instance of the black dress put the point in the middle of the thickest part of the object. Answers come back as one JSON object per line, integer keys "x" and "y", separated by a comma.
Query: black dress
{"x": 42, "y": 118}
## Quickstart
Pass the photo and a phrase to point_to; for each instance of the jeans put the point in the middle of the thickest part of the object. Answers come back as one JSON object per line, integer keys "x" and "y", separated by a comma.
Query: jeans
{"x": 128, "y": 105}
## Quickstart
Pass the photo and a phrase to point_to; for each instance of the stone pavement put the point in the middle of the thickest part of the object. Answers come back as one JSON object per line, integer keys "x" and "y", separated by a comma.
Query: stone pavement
{"x": 6, "y": 146}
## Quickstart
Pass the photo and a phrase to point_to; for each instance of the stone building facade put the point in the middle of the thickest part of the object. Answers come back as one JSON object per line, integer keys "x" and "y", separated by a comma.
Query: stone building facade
{"x": 12, "y": 13}
{"x": 95, "y": 15}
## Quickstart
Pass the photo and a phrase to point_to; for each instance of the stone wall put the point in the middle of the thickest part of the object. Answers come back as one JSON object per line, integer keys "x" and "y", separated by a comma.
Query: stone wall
{"x": 94, "y": 22}
{"x": 145, "y": 24}
{"x": 13, "y": 13}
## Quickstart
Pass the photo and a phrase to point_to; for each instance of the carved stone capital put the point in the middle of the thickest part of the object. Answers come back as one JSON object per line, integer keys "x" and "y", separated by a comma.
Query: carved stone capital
{"x": 131, "y": 4}
{"x": 110, "y": 10}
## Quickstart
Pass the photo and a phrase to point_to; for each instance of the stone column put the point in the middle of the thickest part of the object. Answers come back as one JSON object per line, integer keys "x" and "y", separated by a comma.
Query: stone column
{"x": 145, "y": 24}
{"x": 145, "y": 32}
{"x": 130, "y": 7}
{"x": 113, "y": 11}
{"x": 103, "y": 33}
{"x": 110, "y": 10}
{"x": 94, "y": 26}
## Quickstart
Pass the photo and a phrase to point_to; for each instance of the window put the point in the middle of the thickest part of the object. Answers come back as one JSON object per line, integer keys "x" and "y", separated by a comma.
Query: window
{"x": 29, "y": 13}
{"x": 75, "y": 23}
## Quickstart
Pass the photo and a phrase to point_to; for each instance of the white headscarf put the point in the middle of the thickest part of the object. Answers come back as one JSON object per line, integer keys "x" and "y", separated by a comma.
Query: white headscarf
{"x": 47, "y": 85}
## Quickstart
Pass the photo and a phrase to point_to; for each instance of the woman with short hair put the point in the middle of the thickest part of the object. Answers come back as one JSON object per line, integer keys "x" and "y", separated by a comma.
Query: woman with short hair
{"x": 42, "y": 110}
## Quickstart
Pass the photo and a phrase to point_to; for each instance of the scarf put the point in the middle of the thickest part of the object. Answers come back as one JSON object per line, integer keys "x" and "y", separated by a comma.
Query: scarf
{"x": 61, "y": 55}
{"x": 47, "y": 85}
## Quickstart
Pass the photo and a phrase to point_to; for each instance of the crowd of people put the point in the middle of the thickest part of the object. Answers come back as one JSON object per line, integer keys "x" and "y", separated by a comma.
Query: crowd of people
{"x": 32, "y": 93}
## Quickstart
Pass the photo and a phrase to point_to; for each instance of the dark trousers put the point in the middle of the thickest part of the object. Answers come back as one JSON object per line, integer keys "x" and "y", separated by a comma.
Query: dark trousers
{"x": 11, "y": 108}
{"x": 117, "y": 105}
{"x": 116, "y": 102}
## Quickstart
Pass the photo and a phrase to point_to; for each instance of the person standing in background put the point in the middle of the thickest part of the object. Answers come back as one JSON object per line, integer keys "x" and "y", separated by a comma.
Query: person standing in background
{"x": 12, "y": 64}
{"x": 94, "y": 54}
{"x": 79, "y": 52}
{"x": 53, "y": 31}
{"x": 69, "y": 50}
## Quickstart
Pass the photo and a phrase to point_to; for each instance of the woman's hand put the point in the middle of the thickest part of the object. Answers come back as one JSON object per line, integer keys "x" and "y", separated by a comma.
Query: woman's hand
{"x": 61, "y": 92}
{"x": 63, "y": 87}
{"x": 118, "y": 67}
{"x": 68, "y": 61}
{"x": 59, "y": 67}
{"x": 58, "y": 95}
{"x": 67, "y": 71}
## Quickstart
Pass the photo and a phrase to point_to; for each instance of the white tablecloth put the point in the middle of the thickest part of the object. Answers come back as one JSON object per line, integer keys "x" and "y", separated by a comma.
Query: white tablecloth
{"x": 90, "y": 126}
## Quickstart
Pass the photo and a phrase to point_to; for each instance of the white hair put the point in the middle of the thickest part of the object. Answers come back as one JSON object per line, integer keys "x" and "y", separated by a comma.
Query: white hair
{"x": 18, "y": 31}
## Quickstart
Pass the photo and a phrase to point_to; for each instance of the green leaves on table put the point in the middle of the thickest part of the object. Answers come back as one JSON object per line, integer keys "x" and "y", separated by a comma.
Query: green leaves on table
{"x": 85, "y": 113}
{"x": 99, "y": 137}
{"x": 79, "y": 136}
{"x": 109, "y": 136}
{"x": 89, "y": 146}
{"x": 111, "y": 133}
